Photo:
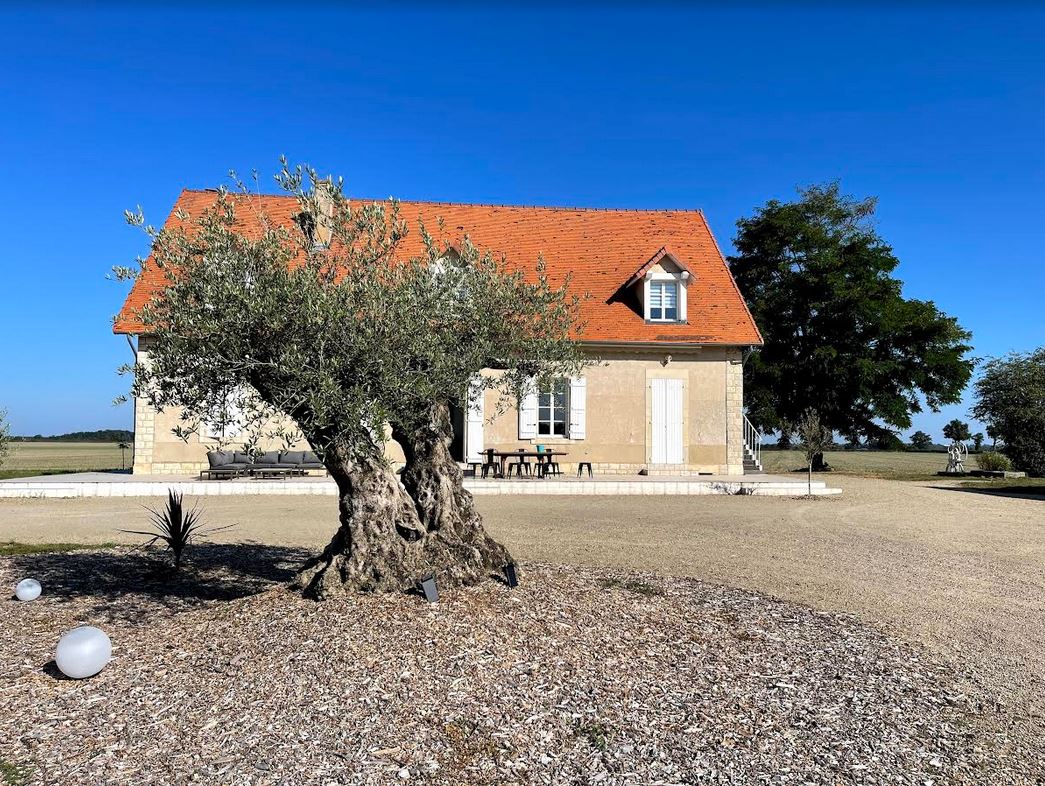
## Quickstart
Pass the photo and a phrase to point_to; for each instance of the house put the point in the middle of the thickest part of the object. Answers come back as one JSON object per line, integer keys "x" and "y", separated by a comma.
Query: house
{"x": 664, "y": 317}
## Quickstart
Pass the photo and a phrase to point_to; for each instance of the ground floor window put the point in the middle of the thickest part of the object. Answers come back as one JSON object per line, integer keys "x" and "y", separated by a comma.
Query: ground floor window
{"x": 553, "y": 408}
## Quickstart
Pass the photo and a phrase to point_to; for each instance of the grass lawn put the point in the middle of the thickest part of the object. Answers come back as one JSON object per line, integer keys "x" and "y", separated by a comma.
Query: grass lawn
{"x": 49, "y": 458}
{"x": 891, "y": 465}
{"x": 11, "y": 548}
{"x": 1012, "y": 487}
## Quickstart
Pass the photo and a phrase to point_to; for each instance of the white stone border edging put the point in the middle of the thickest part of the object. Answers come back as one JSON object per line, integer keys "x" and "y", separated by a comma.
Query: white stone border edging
{"x": 31, "y": 489}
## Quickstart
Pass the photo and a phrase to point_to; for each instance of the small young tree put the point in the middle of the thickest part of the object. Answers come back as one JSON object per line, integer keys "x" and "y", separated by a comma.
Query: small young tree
{"x": 1010, "y": 399}
{"x": 814, "y": 440}
{"x": 5, "y": 436}
{"x": 977, "y": 441}
{"x": 322, "y": 322}
{"x": 123, "y": 447}
{"x": 993, "y": 436}
{"x": 921, "y": 441}
{"x": 957, "y": 431}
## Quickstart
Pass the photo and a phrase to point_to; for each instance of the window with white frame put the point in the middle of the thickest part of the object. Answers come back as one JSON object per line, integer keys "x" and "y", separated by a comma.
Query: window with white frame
{"x": 228, "y": 419}
{"x": 663, "y": 301}
{"x": 553, "y": 408}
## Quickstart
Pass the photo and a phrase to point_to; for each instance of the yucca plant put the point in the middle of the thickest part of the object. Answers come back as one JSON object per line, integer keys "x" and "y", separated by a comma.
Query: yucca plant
{"x": 174, "y": 526}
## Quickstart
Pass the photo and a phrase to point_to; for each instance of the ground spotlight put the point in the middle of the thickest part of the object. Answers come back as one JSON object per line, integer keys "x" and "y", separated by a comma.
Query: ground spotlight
{"x": 511, "y": 576}
{"x": 429, "y": 589}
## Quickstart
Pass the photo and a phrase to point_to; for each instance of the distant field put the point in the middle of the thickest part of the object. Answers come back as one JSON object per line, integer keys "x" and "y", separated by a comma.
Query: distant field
{"x": 62, "y": 456}
{"x": 867, "y": 463}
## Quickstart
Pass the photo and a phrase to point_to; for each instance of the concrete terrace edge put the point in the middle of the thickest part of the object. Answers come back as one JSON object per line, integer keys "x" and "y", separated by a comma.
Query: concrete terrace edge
{"x": 55, "y": 488}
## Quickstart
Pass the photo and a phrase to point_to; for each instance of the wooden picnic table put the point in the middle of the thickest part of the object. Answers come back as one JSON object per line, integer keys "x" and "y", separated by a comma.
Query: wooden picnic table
{"x": 540, "y": 455}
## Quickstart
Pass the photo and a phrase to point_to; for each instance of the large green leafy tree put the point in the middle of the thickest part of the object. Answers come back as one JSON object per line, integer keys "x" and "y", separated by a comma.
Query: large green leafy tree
{"x": 840, "y": 337}
{"x": 921, "y": 441}
{"x": 1010, "y": 399}
{"x": 321, "y": 323}
{"x": 957, "y": 431}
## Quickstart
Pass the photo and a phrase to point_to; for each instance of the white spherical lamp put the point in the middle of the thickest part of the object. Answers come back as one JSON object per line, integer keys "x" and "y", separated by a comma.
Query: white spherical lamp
{"x": 83, "y": 652}
{"x": 27, "y": 589}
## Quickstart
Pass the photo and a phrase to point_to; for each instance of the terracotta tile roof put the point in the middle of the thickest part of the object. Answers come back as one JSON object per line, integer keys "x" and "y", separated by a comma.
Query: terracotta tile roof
{"x": 601, "y": 248}
{"x": 662, "y": 253}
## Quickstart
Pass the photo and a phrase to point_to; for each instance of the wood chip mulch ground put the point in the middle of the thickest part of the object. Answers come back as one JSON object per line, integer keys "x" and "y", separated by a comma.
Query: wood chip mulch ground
{"x": 579, "y": 676}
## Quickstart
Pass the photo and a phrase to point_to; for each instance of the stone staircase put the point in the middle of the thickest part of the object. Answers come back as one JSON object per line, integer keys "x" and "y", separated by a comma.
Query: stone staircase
{"x": 752, "y": 466}
{"x": 752, "y": 449}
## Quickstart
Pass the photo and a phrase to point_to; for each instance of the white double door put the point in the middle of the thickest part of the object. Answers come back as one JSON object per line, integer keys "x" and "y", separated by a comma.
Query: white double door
{"x": 666, "y": 421}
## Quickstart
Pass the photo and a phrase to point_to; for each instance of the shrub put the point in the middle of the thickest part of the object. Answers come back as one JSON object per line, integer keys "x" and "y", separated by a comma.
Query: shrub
{"x": 993, "y": 461}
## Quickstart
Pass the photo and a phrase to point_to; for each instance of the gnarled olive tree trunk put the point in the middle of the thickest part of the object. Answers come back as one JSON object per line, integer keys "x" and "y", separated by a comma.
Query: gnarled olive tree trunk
{"x": 394, "y": 533}
{"x": 455, "y": 538}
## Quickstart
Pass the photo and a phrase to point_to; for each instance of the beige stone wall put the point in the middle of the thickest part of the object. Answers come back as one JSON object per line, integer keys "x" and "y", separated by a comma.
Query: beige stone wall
{"x": 158, "y": 451}
{"x": 617, "y": 437}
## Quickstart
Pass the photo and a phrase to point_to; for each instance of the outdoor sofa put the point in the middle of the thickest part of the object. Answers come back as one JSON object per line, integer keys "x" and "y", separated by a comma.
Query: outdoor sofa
{"x": 233, "y": 464}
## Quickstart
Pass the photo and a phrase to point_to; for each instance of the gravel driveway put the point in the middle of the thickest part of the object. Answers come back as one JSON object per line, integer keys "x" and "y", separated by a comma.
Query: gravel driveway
{"x": 961, "y": 571}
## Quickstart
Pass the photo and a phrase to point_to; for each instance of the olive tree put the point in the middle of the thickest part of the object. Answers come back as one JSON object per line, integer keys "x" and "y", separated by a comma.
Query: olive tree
{"x": 321, "y": 322}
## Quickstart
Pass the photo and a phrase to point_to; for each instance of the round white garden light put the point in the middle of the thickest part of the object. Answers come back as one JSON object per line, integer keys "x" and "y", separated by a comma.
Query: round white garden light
{"x": 83, "y": 652}
{"x": 27, "y": 589}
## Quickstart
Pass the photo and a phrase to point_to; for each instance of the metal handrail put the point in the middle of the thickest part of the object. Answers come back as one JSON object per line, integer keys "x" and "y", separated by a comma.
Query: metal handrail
{"x": 753, "y": 441}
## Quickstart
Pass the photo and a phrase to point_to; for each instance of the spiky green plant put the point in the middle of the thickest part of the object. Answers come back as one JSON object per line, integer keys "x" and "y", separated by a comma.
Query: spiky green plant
{"x": 174, "y": 526}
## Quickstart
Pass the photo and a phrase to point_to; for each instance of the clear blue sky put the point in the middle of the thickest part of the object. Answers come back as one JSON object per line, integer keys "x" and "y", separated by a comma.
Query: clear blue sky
{"x": 939, "y": 111}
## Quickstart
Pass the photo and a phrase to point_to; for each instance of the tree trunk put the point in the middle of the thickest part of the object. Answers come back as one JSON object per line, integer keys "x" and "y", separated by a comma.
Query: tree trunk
{"x": 369, "y": 552}
{"x": 819, "y": 465}
{"x": 455, "y": 539}
{"x": 393, "y": 534}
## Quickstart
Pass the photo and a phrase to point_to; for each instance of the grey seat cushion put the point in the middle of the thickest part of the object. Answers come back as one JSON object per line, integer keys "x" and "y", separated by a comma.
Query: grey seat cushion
{"x": 311, "y": 459}
{"x": 294, "y": 457}
{"x": 269, "y": 459}
{"x": 219, "y": 459}
{"x": 241, "y": 458}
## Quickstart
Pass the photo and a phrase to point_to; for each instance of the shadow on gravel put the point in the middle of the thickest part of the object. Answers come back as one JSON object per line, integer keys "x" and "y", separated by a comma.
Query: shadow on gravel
{"x": 1011, "y": 492}
{"x": 143, "y": 581}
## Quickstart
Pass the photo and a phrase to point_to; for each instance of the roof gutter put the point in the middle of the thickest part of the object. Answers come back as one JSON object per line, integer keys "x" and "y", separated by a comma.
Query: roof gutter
{"x": 676, "y": 345}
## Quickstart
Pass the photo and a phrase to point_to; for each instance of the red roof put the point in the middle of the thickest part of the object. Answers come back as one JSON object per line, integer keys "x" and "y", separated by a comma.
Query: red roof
{"x": 601, "y": 248}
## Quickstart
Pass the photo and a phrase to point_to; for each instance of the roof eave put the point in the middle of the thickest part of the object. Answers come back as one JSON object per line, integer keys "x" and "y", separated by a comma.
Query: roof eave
{"x": 676, "y": 345}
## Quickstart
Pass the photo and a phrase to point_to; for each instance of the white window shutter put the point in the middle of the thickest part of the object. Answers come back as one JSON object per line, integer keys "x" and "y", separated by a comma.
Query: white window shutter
{"x": 474, "y": 424}
{"x": 528, "y": 412}
{"x": 578, "y": 408}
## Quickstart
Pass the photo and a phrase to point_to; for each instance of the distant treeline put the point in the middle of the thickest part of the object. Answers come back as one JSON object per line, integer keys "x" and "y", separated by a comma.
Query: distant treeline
{"x": 102, "y": 435}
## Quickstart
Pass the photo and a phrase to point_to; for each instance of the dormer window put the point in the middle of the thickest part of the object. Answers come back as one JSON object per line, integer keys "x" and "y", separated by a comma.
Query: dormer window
{"x": 664, "y": 292}
{"x": 660, "y": 286}
{"x": 663, "y": 301}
